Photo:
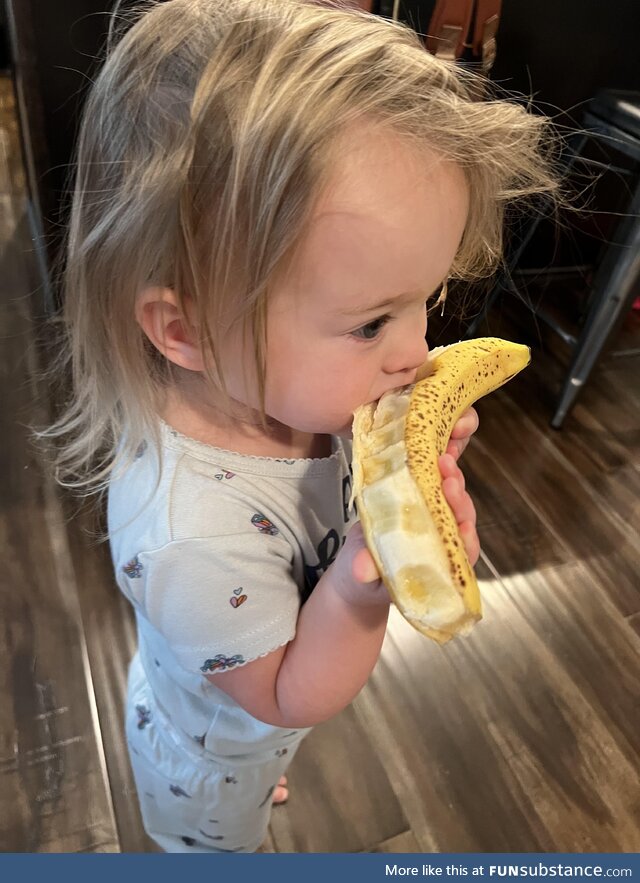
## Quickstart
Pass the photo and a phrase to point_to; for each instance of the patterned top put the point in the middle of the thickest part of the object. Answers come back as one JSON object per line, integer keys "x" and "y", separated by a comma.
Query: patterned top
{"x": 216, "y": 551}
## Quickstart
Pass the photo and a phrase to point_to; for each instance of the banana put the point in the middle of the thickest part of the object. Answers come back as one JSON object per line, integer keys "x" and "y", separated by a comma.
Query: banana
{"x": 408, "y": 525}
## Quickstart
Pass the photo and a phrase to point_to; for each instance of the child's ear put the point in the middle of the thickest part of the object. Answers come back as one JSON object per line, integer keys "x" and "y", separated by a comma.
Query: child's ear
{"x": 158, "y": 315}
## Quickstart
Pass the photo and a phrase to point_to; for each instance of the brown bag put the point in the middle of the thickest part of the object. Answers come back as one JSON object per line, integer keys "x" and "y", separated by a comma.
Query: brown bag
{"x": 465, "y": 29}
{"x": 457, "y": 30}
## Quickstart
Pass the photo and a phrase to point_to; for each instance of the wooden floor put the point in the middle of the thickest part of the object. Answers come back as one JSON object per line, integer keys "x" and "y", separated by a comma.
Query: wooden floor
{"x": 523, "y": 737}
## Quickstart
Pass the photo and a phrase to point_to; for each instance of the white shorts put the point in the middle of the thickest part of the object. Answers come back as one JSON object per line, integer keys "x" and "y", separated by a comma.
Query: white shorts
{"x": 190, "y": 799}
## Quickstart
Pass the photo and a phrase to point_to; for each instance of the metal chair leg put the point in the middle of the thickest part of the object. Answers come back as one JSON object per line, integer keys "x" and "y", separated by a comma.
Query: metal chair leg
{"x": 572, "y": 151}
{"x": 613, "y": 295}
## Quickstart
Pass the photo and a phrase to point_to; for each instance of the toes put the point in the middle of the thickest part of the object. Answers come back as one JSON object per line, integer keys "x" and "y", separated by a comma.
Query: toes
{"x": 281, "y": 792}
{"x": 280, "y": 795}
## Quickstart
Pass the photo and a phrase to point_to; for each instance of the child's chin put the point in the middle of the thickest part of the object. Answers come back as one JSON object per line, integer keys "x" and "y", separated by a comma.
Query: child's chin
{"x": 345, "y": 432}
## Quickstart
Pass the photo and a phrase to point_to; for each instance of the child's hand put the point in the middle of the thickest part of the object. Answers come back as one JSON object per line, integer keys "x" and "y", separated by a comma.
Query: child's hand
{"x": 462, "y": 432}
{"x": 355, "y": 569}
{"x": 355, "y": 574}
{"x": 453, "y": 483}
{"x": 453, "y": 486}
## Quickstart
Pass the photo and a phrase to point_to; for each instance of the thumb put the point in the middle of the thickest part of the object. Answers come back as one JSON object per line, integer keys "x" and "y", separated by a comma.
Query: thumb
{"x": 356, "y": 576}
{"x": 357, "y": 563}
{"x": 363, "y": 567}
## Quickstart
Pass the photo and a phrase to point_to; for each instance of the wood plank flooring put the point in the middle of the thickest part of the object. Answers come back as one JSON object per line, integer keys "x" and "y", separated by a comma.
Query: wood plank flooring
{"x": 55, "y": 794}
{"x": 523, "y": 737}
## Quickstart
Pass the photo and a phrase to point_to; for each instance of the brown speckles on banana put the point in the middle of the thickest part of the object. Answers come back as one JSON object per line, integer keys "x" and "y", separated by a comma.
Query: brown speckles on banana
{"x": 416, "y": 543}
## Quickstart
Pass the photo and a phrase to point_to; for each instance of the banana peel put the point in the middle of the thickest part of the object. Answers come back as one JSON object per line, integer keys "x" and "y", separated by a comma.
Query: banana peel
{"x": 408, "y": 525}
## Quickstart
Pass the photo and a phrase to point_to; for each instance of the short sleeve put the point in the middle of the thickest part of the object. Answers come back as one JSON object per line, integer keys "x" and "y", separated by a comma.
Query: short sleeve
{"x": 219, "y": 602}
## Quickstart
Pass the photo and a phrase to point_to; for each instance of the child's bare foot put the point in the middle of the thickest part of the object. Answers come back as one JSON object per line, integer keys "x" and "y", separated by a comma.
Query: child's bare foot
{"x": 281, "y": 793}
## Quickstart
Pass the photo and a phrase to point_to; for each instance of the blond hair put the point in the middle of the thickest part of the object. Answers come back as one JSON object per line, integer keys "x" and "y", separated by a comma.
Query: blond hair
{"x": 205, "y": 141}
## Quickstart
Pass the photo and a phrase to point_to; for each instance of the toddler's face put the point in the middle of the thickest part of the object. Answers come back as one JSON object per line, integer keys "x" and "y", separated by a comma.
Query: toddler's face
{"x": 349, "y": 322}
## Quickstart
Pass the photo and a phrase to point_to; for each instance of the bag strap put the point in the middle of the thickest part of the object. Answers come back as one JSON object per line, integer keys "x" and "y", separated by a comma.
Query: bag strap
{"x": 457, "y": 25}
{"x": 449, "y": 27}
{"x": 460, "y": 25}
{"x": 483, "y": 40}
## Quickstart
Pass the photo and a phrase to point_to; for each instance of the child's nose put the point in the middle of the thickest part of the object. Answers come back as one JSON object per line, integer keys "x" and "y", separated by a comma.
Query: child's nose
{"x": 408, "y": 356}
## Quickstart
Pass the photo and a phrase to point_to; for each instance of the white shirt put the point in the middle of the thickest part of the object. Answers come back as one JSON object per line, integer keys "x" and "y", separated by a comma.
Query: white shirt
{"x": 217, "y": 551}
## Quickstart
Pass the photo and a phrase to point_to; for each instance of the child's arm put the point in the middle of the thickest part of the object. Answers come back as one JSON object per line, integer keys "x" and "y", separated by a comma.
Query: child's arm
{"x": 338, "y": 638}
{"x": 341, "y": 627}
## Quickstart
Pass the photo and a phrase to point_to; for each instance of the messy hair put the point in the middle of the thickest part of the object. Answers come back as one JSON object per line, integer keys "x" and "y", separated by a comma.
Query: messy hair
{"x": 205, "y": 142}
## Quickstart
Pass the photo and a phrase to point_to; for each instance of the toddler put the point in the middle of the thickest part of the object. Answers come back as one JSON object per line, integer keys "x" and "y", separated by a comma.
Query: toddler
{"x": 267, "y": 194}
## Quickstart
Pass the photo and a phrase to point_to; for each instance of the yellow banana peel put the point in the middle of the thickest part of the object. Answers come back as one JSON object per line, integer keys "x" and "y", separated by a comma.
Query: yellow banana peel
{"x": 408, "y": 525}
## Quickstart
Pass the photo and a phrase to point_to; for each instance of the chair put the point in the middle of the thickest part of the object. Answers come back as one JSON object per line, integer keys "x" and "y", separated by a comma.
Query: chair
{"x": 613, "y": 118}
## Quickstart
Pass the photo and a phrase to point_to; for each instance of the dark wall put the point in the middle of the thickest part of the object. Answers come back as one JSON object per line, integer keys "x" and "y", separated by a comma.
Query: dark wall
{"x": 562, "y": 51}
{"x": 559, "y": 50}
{"x": 54, "y": 50}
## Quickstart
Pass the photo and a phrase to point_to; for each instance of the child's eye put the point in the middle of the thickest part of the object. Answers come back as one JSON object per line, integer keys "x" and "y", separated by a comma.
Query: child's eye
{"x": 372, "y": 329}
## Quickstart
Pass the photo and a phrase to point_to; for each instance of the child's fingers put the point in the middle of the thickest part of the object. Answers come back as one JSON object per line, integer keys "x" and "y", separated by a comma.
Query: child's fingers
{"x": 471, "y": 541}
{"x": 450, "y": 469}
{"x": 364, "y": 568}
{"x": 459, "y": 500}
{"x": 456, "y": 447}
{"x": 355, "y": 573}
{"x": 466, "y": 425}
{"x": 462, "y": 432}
{"x": 453, "y": 487}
